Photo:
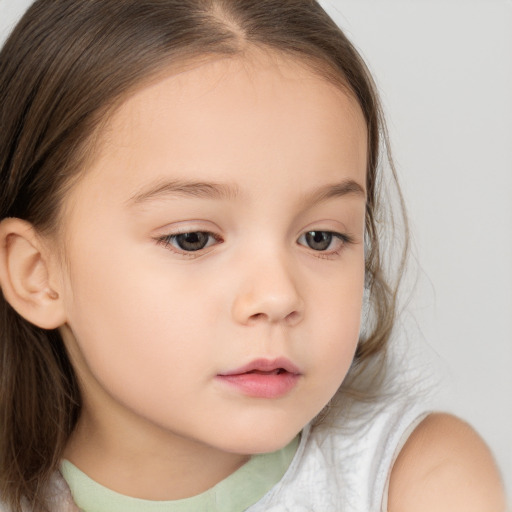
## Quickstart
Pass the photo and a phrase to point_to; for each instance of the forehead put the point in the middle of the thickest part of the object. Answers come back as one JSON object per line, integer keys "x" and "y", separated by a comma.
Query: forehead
{"x": 259, "y": 111}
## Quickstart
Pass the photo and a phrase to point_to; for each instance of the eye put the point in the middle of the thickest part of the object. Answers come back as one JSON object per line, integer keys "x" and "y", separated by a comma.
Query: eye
{"x": 189, "y": 242}
{"x": 323, "y": 240}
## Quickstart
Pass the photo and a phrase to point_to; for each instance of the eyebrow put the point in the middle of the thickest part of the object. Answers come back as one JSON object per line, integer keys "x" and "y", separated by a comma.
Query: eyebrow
{"x": 325, "y": 192}
{"x": 201, "y": 190}
{"x": 212, "y": 190}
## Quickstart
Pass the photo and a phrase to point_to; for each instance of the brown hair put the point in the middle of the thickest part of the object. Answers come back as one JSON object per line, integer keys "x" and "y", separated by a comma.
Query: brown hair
{"x": 63, "y": 67}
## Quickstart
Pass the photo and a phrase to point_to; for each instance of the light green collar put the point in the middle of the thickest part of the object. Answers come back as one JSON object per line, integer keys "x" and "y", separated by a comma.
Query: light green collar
{"x": 235, "y": 493}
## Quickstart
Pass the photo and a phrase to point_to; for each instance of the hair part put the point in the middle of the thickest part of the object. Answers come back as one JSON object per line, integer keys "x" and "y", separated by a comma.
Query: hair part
{"x": 66, "y": 65}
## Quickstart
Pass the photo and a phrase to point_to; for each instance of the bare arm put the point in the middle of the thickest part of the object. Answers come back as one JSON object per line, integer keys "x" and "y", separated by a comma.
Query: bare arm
{"x": 445, "y": 466}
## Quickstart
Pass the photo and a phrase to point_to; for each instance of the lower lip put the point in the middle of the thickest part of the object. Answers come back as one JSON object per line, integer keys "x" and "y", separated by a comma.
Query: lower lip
{"x": 262, "y": 385}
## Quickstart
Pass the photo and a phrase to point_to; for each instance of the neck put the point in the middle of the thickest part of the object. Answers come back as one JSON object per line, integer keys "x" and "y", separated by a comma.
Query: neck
{"x": 144, "y": 461}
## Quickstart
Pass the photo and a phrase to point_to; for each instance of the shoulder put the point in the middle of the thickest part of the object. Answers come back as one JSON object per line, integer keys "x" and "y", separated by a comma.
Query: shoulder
{"x": 445, "y": 466}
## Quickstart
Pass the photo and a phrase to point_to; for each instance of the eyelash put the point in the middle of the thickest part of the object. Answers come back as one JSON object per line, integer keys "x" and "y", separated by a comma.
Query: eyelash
{"x": 168, "y": 242}
{"x": 343, "y": 239}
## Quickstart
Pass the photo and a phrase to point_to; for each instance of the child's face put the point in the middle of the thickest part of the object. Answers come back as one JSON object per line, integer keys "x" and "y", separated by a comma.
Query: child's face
{"x": 260, "y": 161}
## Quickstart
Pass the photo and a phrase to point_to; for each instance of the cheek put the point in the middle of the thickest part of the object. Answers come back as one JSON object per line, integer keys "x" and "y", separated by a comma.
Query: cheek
{"x": 127, "y": 311}
{"x": 334, "y": 323}
{"x": 340, "y": 333}
{"x": 153, "y": 335}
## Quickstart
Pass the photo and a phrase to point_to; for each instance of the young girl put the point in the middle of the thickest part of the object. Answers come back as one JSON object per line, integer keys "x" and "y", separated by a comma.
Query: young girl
{"x": 195, "y": 312}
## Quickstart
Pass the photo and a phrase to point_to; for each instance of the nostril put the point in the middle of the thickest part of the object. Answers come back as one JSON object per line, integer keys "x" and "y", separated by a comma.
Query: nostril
{"x": 266, "y": 305}
{"x": 290, "y": 317}
{"x": 294, "y": 315}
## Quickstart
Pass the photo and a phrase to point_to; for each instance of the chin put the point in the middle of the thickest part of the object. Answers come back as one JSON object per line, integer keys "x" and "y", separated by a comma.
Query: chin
{"x": 258, "y": 445}
{"x": 259, "y": 439}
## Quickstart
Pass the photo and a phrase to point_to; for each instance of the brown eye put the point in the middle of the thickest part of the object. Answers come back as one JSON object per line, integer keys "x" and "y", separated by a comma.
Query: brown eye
{"x": 318, "y": 240}
{"x": 189, "y": 242}
{"x": 328, "y": 242}
{"x": 192, "y": 241}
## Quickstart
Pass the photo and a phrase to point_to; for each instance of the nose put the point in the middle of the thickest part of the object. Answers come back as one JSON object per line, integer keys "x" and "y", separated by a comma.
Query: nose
{"x": 268, "y": 292}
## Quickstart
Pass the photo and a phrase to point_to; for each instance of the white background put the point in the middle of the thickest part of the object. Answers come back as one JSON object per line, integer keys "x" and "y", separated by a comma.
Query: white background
{"x": 444, "y": 68}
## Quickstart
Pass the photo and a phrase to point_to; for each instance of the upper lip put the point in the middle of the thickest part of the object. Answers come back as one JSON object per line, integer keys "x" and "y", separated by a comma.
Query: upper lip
{"x": 265, "y": 365}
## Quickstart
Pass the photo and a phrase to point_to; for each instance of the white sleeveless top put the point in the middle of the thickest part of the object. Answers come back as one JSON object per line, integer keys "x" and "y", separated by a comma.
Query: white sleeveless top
{"x": 345, "y": 468}
{"x": 341, "y": 465}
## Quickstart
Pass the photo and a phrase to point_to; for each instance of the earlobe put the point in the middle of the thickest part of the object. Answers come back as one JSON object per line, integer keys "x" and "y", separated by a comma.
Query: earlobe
{"x": 25, "y": 276}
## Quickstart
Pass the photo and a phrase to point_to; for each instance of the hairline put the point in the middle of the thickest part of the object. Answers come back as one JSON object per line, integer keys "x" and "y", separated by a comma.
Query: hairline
{"x": 168, "y": 66}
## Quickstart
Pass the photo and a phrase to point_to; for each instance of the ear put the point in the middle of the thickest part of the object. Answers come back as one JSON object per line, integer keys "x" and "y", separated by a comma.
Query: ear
{"x": 25, "y": 277}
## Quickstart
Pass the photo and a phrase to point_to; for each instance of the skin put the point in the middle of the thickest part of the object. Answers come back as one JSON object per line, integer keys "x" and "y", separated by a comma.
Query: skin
{"x": 445, "y": 466}
{"x": 150, "y": 326}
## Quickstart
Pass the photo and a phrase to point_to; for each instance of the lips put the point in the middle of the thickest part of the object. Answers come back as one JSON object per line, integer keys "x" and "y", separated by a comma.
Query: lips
{"x": 266, "y": 366}
{"x": 263, "y": 378}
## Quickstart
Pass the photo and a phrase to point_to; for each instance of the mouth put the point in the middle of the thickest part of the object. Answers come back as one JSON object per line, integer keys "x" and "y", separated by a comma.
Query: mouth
{"x": 266, "y": 367}
{"x": 263, "y": 378}
{"x": 277, "y": 371}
